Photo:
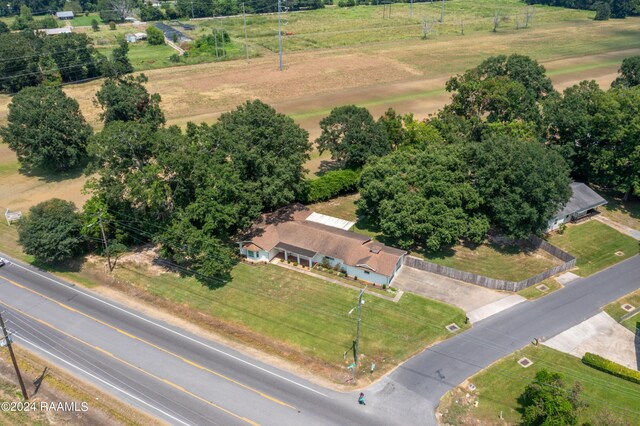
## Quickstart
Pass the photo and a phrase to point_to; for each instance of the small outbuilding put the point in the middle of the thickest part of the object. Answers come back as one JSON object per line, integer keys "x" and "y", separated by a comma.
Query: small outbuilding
{"x": 66, "y": 15}
{"x": 55, "y": 31}
{"x": 584, "y": 202}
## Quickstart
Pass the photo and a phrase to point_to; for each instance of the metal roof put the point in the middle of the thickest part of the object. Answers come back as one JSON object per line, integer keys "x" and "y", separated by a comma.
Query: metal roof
{"x": 65, "y": 14}
{"x": 330, "y": 221}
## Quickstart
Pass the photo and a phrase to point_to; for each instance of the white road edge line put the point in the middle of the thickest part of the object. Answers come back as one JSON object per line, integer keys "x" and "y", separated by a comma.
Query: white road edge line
{"x": 170, "y": 330}
{"x": 103, "y": 381}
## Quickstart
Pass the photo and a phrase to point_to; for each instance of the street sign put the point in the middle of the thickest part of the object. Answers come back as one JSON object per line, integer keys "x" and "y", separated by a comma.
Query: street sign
{"x": 3, "y": 342}
{"x": 352, "y": 366}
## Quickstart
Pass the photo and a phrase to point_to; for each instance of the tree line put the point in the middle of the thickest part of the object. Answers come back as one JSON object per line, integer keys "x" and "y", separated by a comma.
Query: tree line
{"x": 500, "y": 156}
{"x": 30, "y": 59}
{"x": 615, "y": 8}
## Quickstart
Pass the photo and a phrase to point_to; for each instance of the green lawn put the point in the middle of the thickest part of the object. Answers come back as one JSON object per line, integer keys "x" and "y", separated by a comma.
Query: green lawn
{"x": 595, "y": 245}
{"x": 296, "y": 315}
{"x": 616, "y": 312}
{"x": 80, "y": 20}
{"x": 533, "y": 293}
{"x": 624, "y": 212}
{"x": 499, "y": 386}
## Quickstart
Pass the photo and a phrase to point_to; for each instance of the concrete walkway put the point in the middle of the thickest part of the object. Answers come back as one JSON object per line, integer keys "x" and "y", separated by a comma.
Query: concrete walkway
{"x": 600, "y": 335}
{"x": 619, "y": 227}
{"x": 477, "y": 301}
{"x": 394, "y": 299}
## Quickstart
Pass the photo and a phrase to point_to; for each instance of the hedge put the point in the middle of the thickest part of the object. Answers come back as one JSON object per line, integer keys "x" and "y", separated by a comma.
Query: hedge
{"x": 332, "y": 184}
{"x": 615, "y": 369}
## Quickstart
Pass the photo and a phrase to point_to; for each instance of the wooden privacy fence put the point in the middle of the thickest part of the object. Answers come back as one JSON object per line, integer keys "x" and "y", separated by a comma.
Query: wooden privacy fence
{"x": 568, "y": 262}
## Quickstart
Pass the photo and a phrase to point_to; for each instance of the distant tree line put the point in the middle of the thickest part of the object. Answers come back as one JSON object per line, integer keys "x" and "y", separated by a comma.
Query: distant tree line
{"x": 30, "y": 59}
{"x": 616, "y": 8}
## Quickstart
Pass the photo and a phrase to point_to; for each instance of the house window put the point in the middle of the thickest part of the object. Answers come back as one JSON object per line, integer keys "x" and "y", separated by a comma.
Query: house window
{"x": 366, "y": 272}
{"x": 253, "y": 254}
{"x": 330, "y": 259}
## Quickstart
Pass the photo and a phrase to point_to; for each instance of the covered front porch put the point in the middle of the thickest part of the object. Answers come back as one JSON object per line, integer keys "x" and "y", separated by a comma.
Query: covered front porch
{"x": 290, "y": 253}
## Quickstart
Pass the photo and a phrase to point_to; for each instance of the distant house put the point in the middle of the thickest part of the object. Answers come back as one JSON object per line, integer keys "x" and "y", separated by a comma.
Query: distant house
{"x": 304, "y": 237}
{"x": 583, "y": 202}
{"x": 55, "y": 31}
{"x": 132, "y": 38}
{"x": 64, "y": 15}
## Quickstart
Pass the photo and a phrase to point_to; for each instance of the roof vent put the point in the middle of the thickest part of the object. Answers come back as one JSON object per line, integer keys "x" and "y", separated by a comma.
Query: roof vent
{"x": 375, "y": 249}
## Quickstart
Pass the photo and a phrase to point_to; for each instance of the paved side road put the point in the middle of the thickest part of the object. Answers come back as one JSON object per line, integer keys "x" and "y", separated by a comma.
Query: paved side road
{"x": 419, "y": 383}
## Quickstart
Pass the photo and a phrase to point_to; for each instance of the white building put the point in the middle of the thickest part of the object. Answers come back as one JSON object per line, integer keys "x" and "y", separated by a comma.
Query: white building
{"x": 583, "y": 202}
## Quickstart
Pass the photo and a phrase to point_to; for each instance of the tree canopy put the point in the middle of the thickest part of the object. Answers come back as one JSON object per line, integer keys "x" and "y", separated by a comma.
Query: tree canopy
{"x": 126, "y": 99}
{"x": 46, "y": 129}
{"x": 51, "y": 232}
{"x": 523, "y": 183}
{"x": 547, "y": 401}
{"x": 352, "y": 135}
{"x": 629, "y": 73}
{"x": 423, "y": 197}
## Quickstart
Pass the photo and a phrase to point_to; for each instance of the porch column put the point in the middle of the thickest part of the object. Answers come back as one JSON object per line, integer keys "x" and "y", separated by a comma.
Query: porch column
{"x": 286, "y": 256}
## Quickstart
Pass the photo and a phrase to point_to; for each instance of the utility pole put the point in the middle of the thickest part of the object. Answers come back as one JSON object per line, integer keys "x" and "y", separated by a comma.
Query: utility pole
{"x": 192, "y": 14}
{"x": 279, "y": 35}
{"x": 104, "y": 242}
{"x": 442, "y": 13}
{"x": 246, "y": 48}
{"x": 224, "y": 51}
{"x": 411, "y": 9}
{"x": 13, "y": 358}
{"x": 357, "y": 341}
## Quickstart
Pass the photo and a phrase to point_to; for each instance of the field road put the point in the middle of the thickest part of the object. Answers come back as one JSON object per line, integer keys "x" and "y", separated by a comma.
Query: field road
{"x": 184, "y": 379}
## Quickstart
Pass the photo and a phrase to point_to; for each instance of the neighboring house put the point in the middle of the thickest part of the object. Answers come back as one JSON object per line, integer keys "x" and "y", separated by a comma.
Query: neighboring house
{"x": 54, "y": 31}
{"x": 132, "y": 38}
{"x": 583, "y": 202}
{"x": 294, "y": 236}
{"x": 64, "y": 15}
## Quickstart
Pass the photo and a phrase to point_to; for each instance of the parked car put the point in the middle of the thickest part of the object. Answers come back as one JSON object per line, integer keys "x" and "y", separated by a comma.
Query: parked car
{"x": 2, "y": 261}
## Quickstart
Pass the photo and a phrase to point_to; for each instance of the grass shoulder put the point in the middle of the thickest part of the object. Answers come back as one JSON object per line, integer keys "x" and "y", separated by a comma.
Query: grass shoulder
{"x": 595, "y": 245}
{"x": 533, "y": 292}
{"x": 499, "y": 387}
{"x": 631, "y": 301}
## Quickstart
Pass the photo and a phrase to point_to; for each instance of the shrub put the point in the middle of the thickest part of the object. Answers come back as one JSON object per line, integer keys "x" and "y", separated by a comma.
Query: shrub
{"x": 346, "y": 3}
{"x": 174, "y": 58}
{"x": 603, "y": 11}
{"x": 332, "y": 184}
{"x": 610, "y": 367}
{"x": 112, "y": 25}
{"x": 155, "y": 37}
{"x": 94, "y": 25}
{"x": 295, "y": 263}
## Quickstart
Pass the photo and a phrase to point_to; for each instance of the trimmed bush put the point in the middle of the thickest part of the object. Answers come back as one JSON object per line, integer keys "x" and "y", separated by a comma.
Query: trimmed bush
{"x": 332, "y": 184}
{"x": 610, "y": 367}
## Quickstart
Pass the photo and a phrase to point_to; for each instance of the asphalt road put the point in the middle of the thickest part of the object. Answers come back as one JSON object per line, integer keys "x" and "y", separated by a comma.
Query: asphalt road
{"x": 184, "y": 379}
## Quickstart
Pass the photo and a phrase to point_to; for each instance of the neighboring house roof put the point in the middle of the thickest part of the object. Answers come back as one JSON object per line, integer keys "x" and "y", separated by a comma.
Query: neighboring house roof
{"x": 170, "y": 31}
{"x": 330, "y": 221}
{"x": 54, "y": 31}
{"x": 582, "y": 198}
{"x": 66, "y": 14}
{"x": 293, "y": 232}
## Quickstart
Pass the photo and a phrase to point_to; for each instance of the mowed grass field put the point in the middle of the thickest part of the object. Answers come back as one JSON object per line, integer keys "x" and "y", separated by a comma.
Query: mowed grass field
{"x": 615, "y": 310}
{"x": 595, "y": 245}
{"x": 500, "y": 386}
{"x": 302, "y": 318}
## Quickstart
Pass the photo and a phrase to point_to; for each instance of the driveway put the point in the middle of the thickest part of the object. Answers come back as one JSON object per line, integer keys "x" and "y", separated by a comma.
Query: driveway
{"x": 471, "y": 298}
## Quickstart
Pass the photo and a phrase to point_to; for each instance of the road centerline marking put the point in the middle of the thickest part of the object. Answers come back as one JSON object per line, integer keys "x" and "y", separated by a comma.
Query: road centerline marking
{"x": 128, "y": 364}
{"x": 153, "y": 345}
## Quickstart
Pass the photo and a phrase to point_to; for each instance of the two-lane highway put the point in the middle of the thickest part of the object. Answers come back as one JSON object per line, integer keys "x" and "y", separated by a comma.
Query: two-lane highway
{"x": 184, "y": 379}
{"x": 170, "y": 373}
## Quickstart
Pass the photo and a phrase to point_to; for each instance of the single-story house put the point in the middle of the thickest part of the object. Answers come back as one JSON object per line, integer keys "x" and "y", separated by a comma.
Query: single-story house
{"x": 65, "y": 15}
{"x": 583, "y": 202}
{"x": 292, "y": 237}
{"x": 55, "y": 31}
{"x": 132, "y": 38}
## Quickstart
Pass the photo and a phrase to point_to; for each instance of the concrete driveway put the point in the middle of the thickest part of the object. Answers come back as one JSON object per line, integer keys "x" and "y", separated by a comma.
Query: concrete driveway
{"x": 478, "y": 302}
{"x": 600, "y": 335}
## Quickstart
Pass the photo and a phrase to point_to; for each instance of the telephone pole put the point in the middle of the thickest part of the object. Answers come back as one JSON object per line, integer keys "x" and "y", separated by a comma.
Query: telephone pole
{"x": 442, "y": 13}
{"x": 279, "y": 35}
{"x": 244, "y": 16}
{"x": 357, "y": 341}
{"x": 104, "y": 242}
{"x": 13, "y": 358}
{"x": 411, "y": 9}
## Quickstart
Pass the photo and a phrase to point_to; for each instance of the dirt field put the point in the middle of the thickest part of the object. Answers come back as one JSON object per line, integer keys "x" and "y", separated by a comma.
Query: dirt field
{"x": 408, "y": 76}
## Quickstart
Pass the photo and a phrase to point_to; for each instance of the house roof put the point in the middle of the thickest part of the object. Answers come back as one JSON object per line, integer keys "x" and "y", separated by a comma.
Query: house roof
{"x": 54, "y": 31}
{"x": 330, "y": 220}
{"x": 65, "y": 14}
{"x": 294, "y": 233}
{"x": 582, "y": 198}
